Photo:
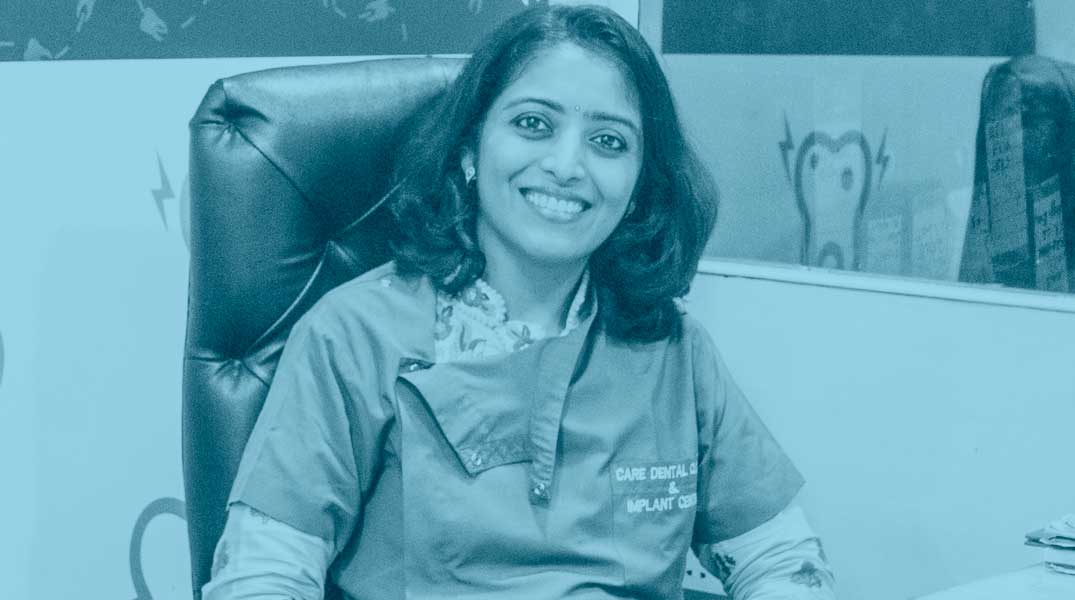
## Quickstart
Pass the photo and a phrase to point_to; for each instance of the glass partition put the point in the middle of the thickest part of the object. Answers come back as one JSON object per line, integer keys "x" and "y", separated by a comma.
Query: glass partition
{"x": 918, "y": 139}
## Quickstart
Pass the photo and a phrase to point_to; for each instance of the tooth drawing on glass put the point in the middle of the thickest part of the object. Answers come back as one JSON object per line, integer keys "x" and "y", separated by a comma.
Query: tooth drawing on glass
{"x": 831, "y": 178}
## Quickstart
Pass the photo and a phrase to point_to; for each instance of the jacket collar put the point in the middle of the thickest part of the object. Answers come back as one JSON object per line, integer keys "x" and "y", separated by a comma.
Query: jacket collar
{"x": 501, "y": 409}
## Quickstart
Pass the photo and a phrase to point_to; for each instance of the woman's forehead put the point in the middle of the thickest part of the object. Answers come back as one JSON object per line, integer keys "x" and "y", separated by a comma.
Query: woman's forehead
{"x": 573, "y": 76}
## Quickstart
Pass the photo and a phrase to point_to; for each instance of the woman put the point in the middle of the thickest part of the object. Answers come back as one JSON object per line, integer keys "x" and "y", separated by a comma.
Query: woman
{"x": 517, "y": 407}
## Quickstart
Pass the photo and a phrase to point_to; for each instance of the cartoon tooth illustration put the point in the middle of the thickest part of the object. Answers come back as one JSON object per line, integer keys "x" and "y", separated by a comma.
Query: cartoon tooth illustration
{"x": 831, "y": 178}
{"x": 831, "y": 188}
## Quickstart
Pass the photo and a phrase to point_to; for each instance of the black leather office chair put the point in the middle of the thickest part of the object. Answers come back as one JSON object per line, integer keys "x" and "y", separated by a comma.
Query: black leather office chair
{"x": 289, "y": 169}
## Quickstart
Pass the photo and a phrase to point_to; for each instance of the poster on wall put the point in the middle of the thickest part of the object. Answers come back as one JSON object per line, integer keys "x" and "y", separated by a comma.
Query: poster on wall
{"x": 115, "y": 29}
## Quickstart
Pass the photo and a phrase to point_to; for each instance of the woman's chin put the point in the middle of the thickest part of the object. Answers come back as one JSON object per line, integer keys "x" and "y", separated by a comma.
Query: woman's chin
{"x": 550, "y": 255}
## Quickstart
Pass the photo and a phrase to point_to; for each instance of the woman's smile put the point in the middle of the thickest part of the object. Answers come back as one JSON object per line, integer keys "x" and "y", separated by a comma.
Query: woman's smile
{"x": 555, "y": 207}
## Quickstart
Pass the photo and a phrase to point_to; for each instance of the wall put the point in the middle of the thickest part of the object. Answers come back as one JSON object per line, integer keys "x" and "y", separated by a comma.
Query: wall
{"x": 1055, "y": 20}
{"x": 92, "y": 312}
{"x": 933, "y": 433}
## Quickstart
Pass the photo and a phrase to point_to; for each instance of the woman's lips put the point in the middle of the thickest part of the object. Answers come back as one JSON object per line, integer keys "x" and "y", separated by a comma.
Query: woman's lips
{"x": 555, "y": 207}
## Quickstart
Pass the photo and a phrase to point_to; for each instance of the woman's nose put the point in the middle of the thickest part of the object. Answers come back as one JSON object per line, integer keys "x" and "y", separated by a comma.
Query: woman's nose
{"x": 564, "y": 160}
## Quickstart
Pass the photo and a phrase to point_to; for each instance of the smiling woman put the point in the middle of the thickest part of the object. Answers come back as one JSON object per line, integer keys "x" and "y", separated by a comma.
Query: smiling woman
{"x": 552, "y": 183}
{"x": 517, "y": 406}
{"x": 575, "y": 101}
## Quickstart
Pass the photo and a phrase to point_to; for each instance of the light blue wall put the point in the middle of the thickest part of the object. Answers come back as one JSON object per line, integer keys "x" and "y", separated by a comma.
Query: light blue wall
{"x": 93, "y": 280}
{"x": 933, "y": 433}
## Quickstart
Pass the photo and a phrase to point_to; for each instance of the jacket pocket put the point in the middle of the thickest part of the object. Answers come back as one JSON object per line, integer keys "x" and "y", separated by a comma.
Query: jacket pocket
{"x": 653, "y": 506}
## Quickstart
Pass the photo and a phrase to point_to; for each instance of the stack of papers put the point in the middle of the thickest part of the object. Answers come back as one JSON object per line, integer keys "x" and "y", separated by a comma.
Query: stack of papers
{"x": 1057, "y": 540}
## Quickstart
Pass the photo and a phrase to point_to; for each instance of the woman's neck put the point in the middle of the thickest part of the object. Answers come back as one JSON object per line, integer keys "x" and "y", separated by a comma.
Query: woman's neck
{"x": 534, "y": 293}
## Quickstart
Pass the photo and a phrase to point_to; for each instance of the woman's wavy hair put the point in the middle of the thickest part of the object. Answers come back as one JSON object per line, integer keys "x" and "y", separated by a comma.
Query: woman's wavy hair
{"x": 650, "y": 258}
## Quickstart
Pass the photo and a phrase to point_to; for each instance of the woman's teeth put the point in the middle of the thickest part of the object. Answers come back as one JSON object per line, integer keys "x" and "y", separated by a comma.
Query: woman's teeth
{"x": 554, "y": 204}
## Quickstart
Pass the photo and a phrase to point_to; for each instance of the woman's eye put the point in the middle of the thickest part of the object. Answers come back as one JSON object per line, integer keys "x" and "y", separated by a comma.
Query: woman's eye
{"x": 611, "y": 142}
{"x": 531, "y": 123}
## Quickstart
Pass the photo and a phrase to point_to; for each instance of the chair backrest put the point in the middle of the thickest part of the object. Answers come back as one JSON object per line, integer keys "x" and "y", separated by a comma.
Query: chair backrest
{"x": 289, "y": 170}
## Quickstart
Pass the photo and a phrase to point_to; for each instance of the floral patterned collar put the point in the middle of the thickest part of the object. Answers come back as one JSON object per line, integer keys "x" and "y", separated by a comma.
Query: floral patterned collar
{"x": 474, "y": 323}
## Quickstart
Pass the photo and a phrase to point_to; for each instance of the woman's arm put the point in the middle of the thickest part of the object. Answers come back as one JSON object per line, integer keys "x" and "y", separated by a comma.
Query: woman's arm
{"x": 780, "y": 559}
{"x": 260, "y": 557}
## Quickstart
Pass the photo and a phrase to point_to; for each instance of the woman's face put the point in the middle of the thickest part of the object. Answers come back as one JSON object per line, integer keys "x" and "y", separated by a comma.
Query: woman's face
{"x": 558, "y": 157}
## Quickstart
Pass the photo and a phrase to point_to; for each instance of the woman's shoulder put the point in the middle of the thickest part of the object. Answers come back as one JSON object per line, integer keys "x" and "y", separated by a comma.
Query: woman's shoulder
{"x": 698, "y": 340}
{"x": 386, "y": 283}
{"x": 382, "y": 298}
{"x": 691, "y": 348}
{"x": 692, "y": 334}
{"x": 384, "y": 286}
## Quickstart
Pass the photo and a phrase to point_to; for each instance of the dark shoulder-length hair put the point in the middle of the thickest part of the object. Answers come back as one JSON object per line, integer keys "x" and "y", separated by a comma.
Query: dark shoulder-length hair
{"x": 650, "y": 258}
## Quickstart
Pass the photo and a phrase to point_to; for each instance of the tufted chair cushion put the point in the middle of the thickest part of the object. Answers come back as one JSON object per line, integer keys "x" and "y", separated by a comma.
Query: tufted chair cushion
{"x": 289, "y": 170}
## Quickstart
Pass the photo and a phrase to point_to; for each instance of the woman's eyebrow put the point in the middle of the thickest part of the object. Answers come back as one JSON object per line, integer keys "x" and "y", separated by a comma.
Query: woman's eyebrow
{"x": 604, "y": 116}
{"x": 595, "y": 115}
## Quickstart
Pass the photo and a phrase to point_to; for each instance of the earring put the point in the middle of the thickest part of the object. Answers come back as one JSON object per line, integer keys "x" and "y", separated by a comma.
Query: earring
{"x": 468, "y": 174}
{"x": 630, "y": 208}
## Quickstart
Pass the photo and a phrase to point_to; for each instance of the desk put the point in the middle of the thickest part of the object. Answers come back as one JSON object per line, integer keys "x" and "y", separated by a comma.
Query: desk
{"x": 1032, "y": 583}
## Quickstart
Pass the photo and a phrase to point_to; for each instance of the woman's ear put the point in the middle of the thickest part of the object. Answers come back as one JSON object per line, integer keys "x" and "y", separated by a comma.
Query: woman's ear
{"x": 466, "y": 160}
{"x": 466, "y": 164}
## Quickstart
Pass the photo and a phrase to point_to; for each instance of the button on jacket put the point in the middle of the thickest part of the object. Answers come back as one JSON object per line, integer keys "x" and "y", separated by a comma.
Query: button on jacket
{"x": 578, "y": 467}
